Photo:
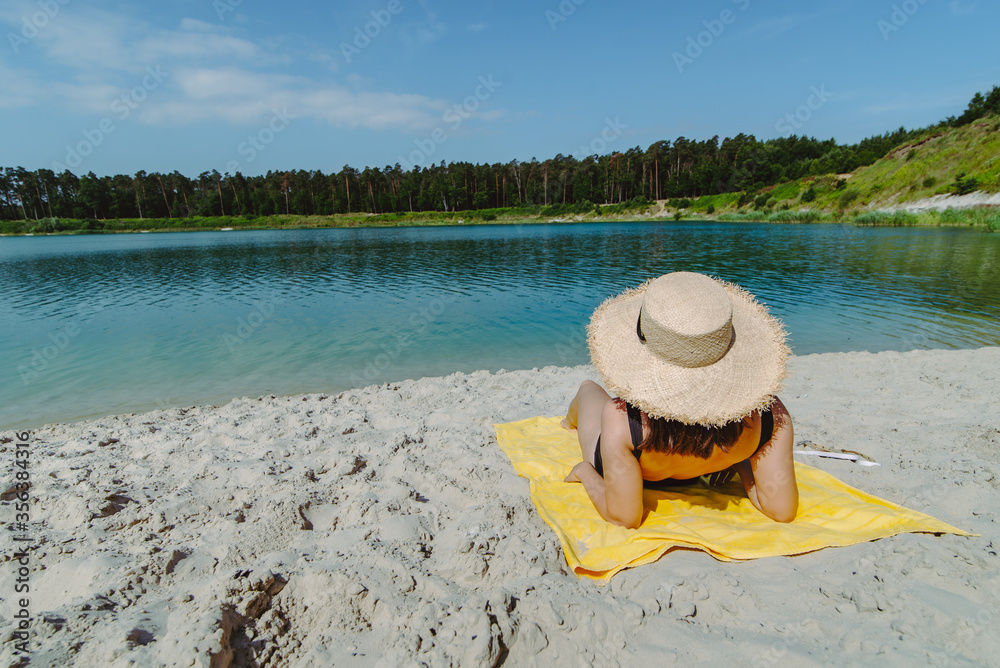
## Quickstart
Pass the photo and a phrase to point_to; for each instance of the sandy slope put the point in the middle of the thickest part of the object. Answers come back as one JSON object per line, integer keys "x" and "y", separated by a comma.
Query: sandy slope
{"x": 943, "y": 202}
{"x": 385, "y": 527}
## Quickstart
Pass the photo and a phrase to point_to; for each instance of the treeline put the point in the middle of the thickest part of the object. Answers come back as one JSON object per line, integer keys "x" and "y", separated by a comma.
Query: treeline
{"x": 980, "y": 107}
{"x": 682, "y": 168}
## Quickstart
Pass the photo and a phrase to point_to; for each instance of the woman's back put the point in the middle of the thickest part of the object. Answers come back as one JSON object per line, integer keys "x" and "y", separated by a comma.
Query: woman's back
{"x": 660, "y": 465}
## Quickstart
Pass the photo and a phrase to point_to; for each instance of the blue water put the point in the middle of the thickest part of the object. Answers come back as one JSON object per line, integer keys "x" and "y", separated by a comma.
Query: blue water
{"x": 94, "y": 325}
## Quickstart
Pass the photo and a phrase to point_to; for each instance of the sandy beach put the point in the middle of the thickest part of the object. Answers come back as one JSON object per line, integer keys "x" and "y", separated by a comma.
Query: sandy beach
{"x": 385, "y": 527}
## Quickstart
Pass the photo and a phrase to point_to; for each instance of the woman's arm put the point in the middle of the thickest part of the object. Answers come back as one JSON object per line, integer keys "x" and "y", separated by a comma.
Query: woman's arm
{"x": 618, "y": 495}
{"x": 769, "y": 475}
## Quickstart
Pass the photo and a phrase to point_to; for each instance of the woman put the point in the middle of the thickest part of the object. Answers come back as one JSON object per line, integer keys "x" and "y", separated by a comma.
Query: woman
{"x": 696, "y": 363}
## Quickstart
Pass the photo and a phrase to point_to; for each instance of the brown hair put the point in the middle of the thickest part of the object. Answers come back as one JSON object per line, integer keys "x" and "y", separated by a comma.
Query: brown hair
{"x": 688, "y": 439}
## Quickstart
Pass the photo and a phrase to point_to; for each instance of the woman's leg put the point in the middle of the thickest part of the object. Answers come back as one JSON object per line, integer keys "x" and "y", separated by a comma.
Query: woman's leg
{"x": 584, "y": 415}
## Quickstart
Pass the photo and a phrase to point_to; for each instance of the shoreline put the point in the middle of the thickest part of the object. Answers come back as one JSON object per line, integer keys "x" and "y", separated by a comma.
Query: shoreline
{"x": 920, "y": 223}
{"x": 978, "y": 210}
{"x": 384, "y": 525}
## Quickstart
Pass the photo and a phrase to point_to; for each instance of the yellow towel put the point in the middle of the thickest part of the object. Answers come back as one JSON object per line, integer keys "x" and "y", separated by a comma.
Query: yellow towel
{"x": 720, "y": 521}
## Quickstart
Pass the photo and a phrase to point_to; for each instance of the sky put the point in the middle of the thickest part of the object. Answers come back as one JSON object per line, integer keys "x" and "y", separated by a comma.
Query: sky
{"x": 255, "y": 86}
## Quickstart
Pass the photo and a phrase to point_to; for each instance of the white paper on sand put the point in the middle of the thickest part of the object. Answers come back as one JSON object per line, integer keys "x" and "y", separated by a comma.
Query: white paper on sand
{"x": 836, "y": 455}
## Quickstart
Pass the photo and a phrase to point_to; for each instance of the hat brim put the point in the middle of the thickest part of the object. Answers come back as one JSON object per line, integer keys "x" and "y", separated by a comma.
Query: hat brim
{"x": 746, "y": 378}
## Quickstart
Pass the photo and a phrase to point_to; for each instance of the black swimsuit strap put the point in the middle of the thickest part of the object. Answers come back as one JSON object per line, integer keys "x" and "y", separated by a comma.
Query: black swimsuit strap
{"x": 635, "y": 428}
{"x": 766, "y": 427}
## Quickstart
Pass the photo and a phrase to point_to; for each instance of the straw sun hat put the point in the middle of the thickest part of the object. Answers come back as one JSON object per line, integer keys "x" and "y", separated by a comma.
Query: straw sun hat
{"x": 690, "y": 348}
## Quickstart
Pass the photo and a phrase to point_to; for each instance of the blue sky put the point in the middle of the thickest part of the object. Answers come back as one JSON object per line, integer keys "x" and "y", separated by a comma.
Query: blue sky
{"x": 196, "y": 85}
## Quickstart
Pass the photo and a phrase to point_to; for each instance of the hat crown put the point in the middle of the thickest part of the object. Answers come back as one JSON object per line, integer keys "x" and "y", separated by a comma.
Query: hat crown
{"x": 687, "y": 319}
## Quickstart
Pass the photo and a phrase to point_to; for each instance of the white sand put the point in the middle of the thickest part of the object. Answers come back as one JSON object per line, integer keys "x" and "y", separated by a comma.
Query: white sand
{"x": 944, "y": 202}
{"x": 405, "y": 537}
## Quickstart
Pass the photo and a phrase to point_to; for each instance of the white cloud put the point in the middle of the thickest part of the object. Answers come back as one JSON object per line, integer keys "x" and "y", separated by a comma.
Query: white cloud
{"x": 963, "y": 7}
{"x": 370, "y": 110}
{"x": 325, "y": 59}
{"x": 87, "y": 58}
{"x": 88, "y": 39}
{"x": 96, "y": 98}
{"x": 196, "y": 25}
{"x": 246, "y": 98}
{"x": 169, "y": 45}
{"x": 928, "y": 101}
{"x": 83, "y": 38}
{"x": 781, "y": 24}
{"x": 424, "y": 32}
{"x": 18, "y": 89}
{"x": 476, "y": 27}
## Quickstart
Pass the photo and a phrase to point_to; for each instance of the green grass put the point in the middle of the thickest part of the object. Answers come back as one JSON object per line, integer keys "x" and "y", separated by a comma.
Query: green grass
{"x": 930, "y": 165}
{"x": 637, "y": 204}
{"x": 721, "y": 201}
{"x": 513, "y": 215}
{"x": 764, "y": 216}
{"x": 986, "y": 217}
{"x": 923, "y": 168}
{"x": 886, "y": 219}
{"x": 786, "y": 191}
{"x": 800, "y": 216}
{"x": 743, "y": 217}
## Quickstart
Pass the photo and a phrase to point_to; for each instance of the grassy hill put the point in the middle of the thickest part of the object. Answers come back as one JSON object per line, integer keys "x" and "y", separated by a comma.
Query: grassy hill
{"x": 929, "y": 166}
{"x": 940, "y": 161}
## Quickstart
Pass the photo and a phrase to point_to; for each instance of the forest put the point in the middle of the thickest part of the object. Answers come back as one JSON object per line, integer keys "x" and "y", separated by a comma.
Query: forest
{"x": 683, "y": 168}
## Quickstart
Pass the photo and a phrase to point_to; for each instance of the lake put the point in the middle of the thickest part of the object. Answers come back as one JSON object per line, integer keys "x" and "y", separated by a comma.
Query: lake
{"x": 95, "y": 325}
